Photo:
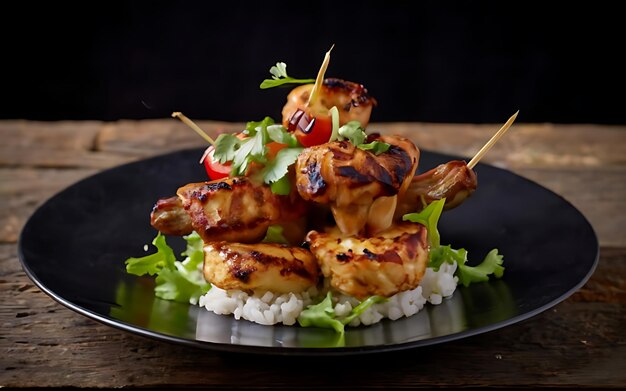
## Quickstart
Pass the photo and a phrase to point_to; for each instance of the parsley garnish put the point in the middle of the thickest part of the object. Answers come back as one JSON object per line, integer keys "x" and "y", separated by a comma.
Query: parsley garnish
{"x": 280, "y": 77}
{"x": 242, "y": 152}
{"x": 357, "y": 136}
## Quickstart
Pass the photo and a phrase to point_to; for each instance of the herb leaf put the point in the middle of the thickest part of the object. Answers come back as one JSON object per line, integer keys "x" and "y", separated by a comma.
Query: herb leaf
{"x": 377, "y": 147}
{"x": 492, "y": 264}
{"x": 321, "y": 315}
{"x": 153, "y": 263}
{"x": 179, "y": 281}
{"x": 278, "y": 167}
{"x": 353, "y": 132}
{"x": 279, "y": 134}
{"x": 429, "y": 217}
{"x": 280, "y": 77}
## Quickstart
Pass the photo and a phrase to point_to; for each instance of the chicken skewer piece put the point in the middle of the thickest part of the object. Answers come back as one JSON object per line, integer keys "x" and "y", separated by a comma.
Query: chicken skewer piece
{"x": 229, "y": 209}
{"x": 454, "y": 181}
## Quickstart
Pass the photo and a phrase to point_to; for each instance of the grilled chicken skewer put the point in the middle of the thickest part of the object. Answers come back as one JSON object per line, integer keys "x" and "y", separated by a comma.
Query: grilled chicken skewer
{"x": 357, "y": 183}
{"x": 261, "y": 266}
{"x": 392, "y": 261}
{"x": 229, "y": 209}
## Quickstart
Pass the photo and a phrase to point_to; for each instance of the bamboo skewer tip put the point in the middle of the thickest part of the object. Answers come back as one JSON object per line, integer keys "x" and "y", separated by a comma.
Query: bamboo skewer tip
{"x": 492, "y": 141}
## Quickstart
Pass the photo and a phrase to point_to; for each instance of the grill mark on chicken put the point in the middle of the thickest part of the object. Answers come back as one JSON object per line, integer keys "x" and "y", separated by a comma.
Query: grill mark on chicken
{"x": 386, "y": 264}
{"x": 316, "y": 184}
{"x": 231, "y": 209}
{"x": 260, "y": 266}
{"x": 355, "y": 181}
{"x": 358, "y": 93}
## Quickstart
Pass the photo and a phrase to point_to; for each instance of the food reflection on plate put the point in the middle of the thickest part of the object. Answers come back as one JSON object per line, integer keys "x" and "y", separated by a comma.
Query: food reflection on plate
{"x": 137, "y": 305}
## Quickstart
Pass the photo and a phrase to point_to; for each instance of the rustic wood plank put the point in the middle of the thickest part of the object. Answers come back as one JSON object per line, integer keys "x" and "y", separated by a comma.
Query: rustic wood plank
{"x": 24, "y": 189}
{"x": 150, "y": 137}
{"x": 524, "y": 145}
{"x": 64, "y": 135}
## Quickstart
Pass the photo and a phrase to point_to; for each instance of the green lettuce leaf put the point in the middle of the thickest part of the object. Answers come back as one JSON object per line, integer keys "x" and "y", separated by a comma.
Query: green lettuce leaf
{"x": 153, "y": 263}
{"x": 178, "y": 281}
{"x": 492, "y": 264}
{"x": 321, "y": 315}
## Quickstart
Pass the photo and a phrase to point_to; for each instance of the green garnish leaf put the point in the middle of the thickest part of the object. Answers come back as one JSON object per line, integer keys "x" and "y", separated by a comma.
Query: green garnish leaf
{"x": 194, "y": 251}
{"x": 321, "y": 315}
{"x": 278, "y": 167}
{"x": 429, "y": 217}
{"x": 280, "y": 77}
{"x": 179, "y": 281}
{"x": 241, "y": 153}
{"x": 281, "y": 186}
{"x": 279, "y": 134}
{"x": 364, "y": 305}
{"x": 226, "y": 146}
{"x": 441, "y": 254}
{"x": 353, "y": 132}
{"x": 377, "y": 147}
{"x": 153, "y": 263}
{"x": 274, "y": 234}
{"x": 180, "y": 284}
{"x": 492, "y": 264}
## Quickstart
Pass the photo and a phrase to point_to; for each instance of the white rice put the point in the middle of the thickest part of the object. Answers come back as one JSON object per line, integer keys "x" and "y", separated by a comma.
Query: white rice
{"x": 272, "y": 308}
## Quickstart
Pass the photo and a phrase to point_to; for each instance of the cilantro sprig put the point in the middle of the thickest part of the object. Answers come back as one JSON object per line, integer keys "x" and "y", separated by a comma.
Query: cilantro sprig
{"x": 241, "y": 152}
{"x": 280, "y": 77}
{"x": 438, "y": 254}
{"x": 354, "y": 132}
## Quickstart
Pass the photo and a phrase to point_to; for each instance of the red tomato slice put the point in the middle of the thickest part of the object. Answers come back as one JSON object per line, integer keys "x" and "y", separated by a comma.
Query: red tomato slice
{"x": 311, "y": 131}
{"x": 214, "y": 169}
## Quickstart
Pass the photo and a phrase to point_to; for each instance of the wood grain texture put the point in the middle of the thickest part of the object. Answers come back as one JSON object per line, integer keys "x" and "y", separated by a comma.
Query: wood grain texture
{"x": 578, "y": 343}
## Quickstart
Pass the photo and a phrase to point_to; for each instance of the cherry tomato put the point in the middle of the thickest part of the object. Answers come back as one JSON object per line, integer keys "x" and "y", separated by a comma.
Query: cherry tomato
{"x": 214, "y": 169}
{"x": 309, "y": 130}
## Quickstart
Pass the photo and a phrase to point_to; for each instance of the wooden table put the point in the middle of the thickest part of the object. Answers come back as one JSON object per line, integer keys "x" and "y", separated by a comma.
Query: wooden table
{"x": 580, "y": 342}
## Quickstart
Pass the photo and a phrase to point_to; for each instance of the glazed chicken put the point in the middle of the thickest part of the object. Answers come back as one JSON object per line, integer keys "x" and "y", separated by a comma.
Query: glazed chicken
{"x": 390, "y": 262}
{"x": 229, "y": 209}
{"x": 453, "y": 180}
{"x": 360, "y": 187}
{"x": 351, "y": 99}
{"x": 261, "y": 267}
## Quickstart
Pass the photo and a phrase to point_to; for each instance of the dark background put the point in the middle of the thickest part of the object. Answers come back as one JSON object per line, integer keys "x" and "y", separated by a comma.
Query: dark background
{"x": 424, "y": 61}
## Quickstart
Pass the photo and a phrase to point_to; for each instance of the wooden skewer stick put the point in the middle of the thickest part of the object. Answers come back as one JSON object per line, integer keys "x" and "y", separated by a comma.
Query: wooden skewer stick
{"x": 193, "y": 126}
{"x": 492, "y": 141}
{"x": 320, "y": 78}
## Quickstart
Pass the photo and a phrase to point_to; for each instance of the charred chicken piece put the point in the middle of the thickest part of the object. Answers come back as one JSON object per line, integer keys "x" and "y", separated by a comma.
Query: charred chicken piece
{"x": 359, "y": 186}
{"x": 169, "y": 217}
{"x": 260, "y": 267}
{"x": 454, "y": 181}
{"x": 390, "y": 262}
{"x": 230, "y": 209}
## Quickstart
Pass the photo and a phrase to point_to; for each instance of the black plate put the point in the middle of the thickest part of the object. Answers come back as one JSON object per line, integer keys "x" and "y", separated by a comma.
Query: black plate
{"x": 74, "y": 247}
